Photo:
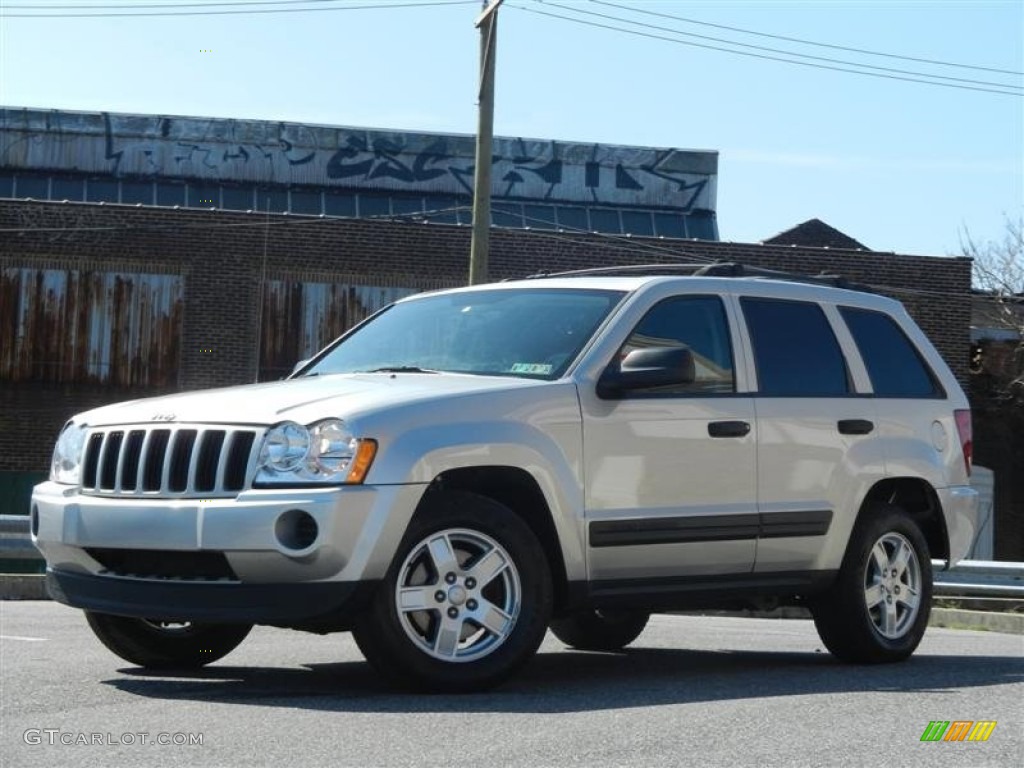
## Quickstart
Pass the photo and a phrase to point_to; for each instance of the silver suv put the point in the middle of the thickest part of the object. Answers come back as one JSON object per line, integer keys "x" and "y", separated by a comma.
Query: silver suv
{"x": 468, "y": 468}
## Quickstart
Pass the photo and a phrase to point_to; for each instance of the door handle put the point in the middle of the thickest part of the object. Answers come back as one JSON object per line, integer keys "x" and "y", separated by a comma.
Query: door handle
{"x": 855, "y": 427}
{"x": 728, "y": 429}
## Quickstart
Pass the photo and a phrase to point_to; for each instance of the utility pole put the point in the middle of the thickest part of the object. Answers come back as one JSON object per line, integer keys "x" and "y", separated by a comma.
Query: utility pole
{"x": 487, "y": 23}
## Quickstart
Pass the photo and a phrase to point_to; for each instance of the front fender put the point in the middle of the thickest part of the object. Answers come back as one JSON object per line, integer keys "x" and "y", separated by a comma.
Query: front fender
{"x": 553, "y": 460}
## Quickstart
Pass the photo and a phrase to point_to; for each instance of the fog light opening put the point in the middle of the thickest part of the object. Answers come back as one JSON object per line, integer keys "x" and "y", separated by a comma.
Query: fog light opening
{"x": 296, "y": 530}
{"x": 34, "y": 522}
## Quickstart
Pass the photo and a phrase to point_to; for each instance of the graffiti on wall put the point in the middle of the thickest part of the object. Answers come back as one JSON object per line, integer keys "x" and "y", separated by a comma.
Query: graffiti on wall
{"x": 301, "y": 318}
{"x": 104, "y": 328}
{"x": 289, "y": 153}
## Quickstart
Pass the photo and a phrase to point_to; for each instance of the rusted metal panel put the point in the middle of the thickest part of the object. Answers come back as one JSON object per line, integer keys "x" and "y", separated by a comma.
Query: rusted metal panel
{"x": 300, "y": 318}
{"x": 264, "y": 152}
{"x": 110, "y": 328}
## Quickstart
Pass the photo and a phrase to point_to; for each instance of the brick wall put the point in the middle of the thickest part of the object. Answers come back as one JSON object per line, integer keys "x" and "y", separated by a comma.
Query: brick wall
{"x": 223, "y": 258}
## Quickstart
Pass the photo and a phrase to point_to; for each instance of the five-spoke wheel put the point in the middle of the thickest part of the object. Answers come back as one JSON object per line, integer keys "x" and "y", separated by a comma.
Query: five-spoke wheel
{"x": 458, "y": 594}
{"x": 892, "y": 585}
{"x": 877, "y": 609}
{"x": 466, "y": 600}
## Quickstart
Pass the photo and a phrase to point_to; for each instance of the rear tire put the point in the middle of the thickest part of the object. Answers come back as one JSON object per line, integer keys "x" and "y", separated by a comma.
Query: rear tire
{"x": 156, "y": 644}
{"x": 877, "y": 609}
{"x": 598, "y": 630}
{"x": 465, "y": 602}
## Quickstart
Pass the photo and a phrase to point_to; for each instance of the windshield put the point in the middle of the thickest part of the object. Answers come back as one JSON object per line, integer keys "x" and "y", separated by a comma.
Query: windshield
{"x": 529, "y": 332}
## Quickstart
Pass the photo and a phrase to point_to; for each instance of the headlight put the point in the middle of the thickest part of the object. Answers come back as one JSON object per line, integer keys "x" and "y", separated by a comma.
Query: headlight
{"x": 67, "y": 455}
{"x": 325, "y": 452}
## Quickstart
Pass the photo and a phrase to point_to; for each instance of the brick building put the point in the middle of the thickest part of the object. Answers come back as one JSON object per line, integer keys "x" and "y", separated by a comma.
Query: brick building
{"x": 110, "y": 290}
{"x": 232, "y": 297}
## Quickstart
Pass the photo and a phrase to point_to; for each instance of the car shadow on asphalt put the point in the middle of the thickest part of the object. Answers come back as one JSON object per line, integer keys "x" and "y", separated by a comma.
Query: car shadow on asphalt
{"x": 575, "y": 681}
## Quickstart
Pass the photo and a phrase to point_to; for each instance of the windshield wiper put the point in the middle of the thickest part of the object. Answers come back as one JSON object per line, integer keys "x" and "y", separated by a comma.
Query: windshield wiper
{"x": 399, "y": 369}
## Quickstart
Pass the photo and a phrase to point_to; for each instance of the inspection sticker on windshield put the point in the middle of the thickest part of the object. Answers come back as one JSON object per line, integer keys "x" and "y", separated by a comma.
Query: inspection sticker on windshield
{"x": 539, "y": 368}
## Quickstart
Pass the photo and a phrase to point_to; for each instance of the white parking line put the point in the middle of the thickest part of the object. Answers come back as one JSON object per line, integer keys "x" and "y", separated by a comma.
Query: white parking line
{"x": 24, "y": 639}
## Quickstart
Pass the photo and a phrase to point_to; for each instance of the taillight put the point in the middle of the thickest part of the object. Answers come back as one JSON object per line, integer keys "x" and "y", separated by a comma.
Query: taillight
{"x": 963, "y": 426}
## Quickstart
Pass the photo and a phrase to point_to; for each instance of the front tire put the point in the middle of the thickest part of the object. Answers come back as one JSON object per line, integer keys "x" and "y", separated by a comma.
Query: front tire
{"x": 594, "y": 630}
{"x": 465, "y": 602}
{"x": 156, "y": 644}
{"x": 878, "y": 608}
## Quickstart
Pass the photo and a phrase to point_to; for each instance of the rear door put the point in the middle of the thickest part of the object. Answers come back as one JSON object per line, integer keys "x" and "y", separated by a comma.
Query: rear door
{"x": 817, "y": 437}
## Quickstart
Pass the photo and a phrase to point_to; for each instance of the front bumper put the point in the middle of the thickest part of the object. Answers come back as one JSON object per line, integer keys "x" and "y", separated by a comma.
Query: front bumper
{"x": 148, "y": 557}
{"x": 283, "y": 604}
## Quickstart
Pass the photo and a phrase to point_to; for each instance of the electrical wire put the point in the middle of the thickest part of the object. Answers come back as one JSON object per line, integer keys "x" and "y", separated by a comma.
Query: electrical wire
{"x": 864, "y": 51}
{"x": 289, "y": 221}
{"x": 653, "y": 36}
{"x": 372, "y": 7}
{"x": 810, "y": 57}
{"x": 76, "y": 7}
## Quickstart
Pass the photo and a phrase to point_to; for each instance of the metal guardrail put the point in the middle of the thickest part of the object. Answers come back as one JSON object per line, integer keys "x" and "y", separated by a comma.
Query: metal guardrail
{"x": 15, "y": 543}
{"x": 980, "y": 578}
{"x": 969, "y": 579}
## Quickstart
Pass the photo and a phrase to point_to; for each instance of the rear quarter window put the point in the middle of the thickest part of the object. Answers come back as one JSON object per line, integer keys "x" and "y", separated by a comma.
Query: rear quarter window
{"x": 894, "y": 364}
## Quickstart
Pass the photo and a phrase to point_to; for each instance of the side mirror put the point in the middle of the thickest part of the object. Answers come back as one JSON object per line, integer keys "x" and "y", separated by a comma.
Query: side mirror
{"x": 299, "y": 366}
{"x": 646, "y": 369}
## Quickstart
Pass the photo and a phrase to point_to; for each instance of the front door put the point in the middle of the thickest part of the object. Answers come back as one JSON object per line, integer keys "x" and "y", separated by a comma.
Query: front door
{"x": 670, "y": 473}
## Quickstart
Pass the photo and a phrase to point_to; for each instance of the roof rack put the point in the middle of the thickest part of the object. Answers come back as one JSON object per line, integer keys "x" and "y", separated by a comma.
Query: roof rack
{"x": 713, "y": 269}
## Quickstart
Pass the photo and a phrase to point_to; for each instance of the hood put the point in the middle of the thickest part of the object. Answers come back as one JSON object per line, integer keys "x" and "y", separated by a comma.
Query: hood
{"x": 303, "y": 400}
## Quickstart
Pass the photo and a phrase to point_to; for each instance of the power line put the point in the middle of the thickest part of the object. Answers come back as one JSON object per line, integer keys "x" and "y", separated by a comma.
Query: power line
{"x": 865, "y": 51}
{"x": 77, "y": 7}
{"x": 777, "y": 50}
{"x": 652, "y": 36}
{"x": 291, "y": 220}
{"x": 374, "y": 6}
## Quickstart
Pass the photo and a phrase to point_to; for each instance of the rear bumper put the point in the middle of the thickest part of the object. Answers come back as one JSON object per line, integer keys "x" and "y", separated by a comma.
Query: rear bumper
{"x": 285, "y": 604}
{"x": 960, "y": 505}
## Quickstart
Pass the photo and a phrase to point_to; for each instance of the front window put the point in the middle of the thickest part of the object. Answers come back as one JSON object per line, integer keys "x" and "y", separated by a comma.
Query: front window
{"x": 524, "y": 332}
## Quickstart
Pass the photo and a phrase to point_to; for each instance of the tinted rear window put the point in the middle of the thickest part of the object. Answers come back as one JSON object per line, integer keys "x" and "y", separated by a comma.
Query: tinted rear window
{"x": 894, "y": 365}
{"x": 795, "y": 351}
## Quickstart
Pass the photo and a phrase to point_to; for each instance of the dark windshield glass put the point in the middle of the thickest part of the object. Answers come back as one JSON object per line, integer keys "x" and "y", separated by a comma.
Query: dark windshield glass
{"x": 529, "y": 332}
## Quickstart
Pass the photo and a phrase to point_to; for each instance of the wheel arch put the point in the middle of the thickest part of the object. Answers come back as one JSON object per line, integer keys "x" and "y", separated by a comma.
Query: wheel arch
{"x": 518, "y": 490}
{"x": 918, "y": 498}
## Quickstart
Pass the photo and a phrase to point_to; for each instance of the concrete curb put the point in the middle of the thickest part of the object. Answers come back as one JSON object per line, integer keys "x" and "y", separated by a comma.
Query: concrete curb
{"x": 955, "y": 618}
{"x": 23, "y": 586}
{"x": 949, "y": 618}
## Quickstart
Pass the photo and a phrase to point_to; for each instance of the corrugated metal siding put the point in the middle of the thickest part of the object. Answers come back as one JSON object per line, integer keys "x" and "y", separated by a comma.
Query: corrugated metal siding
{"x": 300, "y": 318}
{"x": 111, "y": 328}
{"x": 152, "y": 146}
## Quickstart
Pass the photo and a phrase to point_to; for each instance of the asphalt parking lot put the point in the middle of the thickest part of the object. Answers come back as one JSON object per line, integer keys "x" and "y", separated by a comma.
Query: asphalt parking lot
{"x": 708, "y": 691}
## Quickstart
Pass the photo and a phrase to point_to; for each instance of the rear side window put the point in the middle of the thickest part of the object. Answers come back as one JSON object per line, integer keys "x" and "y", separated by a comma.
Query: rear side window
{"x": 894, "y": 364}
{"x": 795, "y": 351}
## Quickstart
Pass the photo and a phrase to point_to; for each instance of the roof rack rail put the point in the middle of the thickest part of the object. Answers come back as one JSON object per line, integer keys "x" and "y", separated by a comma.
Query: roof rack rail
{"x": 735, "y": 269}
{"x": 654, "y": 269}
{"x": 712, "y": 269}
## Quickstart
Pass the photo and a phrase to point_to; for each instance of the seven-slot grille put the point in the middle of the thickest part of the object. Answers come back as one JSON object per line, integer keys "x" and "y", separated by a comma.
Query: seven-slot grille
{"x": 168, "y": 461}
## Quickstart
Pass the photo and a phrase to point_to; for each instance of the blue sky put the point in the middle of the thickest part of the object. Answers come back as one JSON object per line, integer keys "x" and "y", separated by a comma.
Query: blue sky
{"x": 900, "y": 166}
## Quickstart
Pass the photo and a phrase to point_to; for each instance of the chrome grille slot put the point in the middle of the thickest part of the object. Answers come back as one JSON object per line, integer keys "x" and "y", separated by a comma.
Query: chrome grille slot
{"x": 130, "y": 458}
{"x": 238, "y": 458}
{"x": 207, "y": 460}
{"x": 108, "y": 460}
{"x": 168, "y": 462}
{"x": 154, "y": 464}
{"x": 92, "y": 460}
{"x": 181, "y": 457}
